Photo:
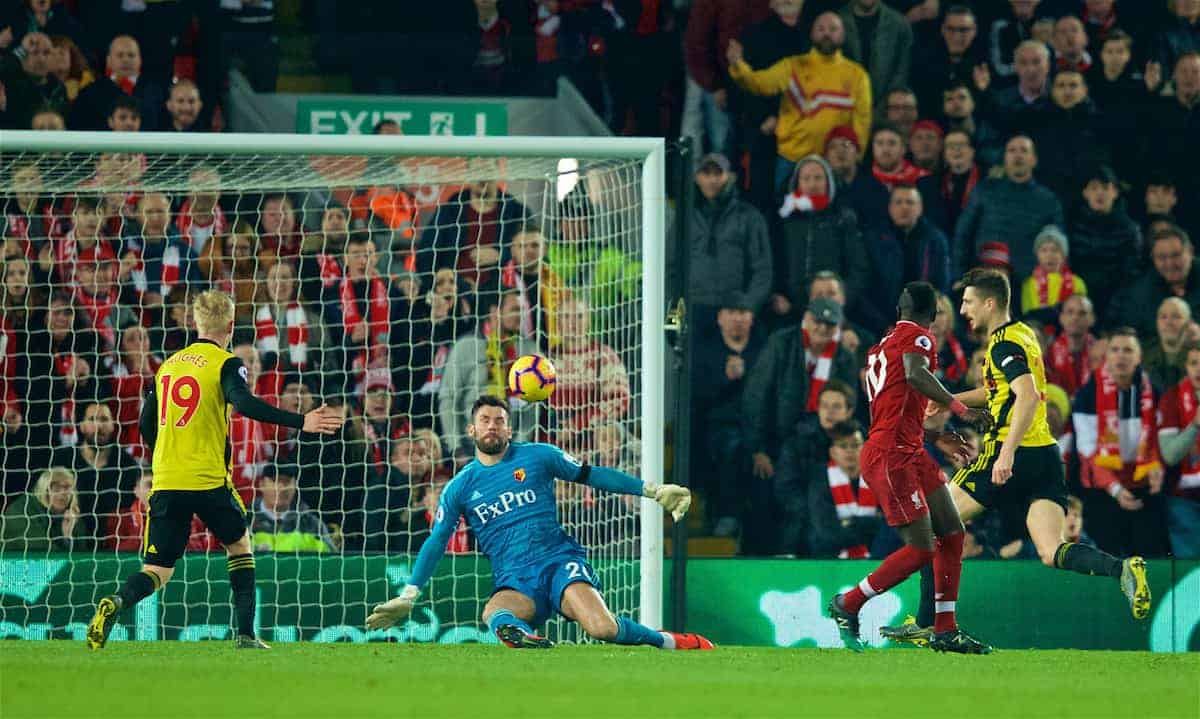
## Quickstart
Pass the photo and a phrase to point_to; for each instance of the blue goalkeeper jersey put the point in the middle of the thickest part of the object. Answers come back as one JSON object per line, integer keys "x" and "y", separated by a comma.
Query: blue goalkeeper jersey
{"x": 510, "y": 507}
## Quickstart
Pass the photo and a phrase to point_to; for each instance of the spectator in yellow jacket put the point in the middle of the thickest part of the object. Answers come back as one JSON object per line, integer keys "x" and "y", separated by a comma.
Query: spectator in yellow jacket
{"x": 819, "y": 90}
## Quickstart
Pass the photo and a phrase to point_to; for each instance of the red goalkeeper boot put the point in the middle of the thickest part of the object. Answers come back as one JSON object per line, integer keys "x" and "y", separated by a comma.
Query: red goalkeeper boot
{"x": 687, "y": 640}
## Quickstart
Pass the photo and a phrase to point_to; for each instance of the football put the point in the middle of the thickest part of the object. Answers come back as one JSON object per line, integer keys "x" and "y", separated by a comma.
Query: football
{"x": 531, "y": 378}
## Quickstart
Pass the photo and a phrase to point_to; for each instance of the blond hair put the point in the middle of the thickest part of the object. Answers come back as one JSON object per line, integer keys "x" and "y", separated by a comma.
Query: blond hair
{"x": 432, "y": 444}
{"x": 212, "y": 312}
{"x": 41, "y": 489}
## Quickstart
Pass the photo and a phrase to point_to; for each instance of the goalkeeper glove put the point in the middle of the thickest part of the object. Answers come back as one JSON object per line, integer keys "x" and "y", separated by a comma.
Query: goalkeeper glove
{"x": 386, "y": 614}
{"x": 672, "y": 497}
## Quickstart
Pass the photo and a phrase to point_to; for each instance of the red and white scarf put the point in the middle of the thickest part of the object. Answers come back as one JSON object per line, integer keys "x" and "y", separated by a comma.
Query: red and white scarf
{"x": 378, "y": 315}
{"x": 957, "y": 369}
{"x": 127, "y": 83}
{"x": 267, "y": 333}
{"x": 99, "y": 309}
{"x": 818, "y": 375}
{"x": 1042, "y": 278}
{"x": 906, "y": 174}
{"x": 197, "y": 231}
{"x": 849, "y": 505}
{"x": 1108, "y": 418}
{"x": 1070, "y": 369}
{"x": 171, "y": 263}
{"x": 799, "y": 202}
{"x": 330, "y": 270}
{"x": 1189, "y": 468}
{"x": 510, "y": 277}
{"x": 547, "y": 26}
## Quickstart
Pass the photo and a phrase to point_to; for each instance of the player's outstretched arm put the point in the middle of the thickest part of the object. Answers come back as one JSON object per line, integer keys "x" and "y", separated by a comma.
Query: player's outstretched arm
{"x": 976, "y": 397}
{"x": 675, "y": 499}
{"x": 323, "y": 420}
{"x": 918, "y": 376}
{"x": 444, "y": 523}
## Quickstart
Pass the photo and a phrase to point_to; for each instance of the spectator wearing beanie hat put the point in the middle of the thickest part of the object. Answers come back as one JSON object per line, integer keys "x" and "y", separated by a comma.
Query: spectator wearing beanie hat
{"x": 996, "y": 256}
{"x": 843, "y": 152}
{"x": 818, "y": 234}
{"x": 925, "y": 145}
{"x": 1052, "y": 280}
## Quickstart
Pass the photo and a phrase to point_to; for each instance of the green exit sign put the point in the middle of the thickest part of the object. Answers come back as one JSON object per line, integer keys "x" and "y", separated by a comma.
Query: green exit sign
{"x": 359, "y": 117}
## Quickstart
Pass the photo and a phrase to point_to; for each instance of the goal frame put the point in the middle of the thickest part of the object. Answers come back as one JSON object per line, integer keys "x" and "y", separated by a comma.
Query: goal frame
{"x": 650, "y": 151}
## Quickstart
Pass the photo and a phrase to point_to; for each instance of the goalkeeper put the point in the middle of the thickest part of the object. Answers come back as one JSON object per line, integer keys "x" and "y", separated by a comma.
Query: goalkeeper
{"x": 507, "y": 496}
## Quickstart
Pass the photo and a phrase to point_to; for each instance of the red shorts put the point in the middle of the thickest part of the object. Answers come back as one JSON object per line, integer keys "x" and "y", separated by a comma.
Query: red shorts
{"x": 900, "y": 482}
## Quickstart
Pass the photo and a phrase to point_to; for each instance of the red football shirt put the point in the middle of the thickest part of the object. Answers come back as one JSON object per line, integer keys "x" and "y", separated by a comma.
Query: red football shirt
{"x": 898, "y": 410}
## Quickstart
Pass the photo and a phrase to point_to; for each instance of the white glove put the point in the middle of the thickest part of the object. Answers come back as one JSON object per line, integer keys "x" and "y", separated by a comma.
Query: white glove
{"x": 386, "y": 614}
{"x": 672, "y": 497}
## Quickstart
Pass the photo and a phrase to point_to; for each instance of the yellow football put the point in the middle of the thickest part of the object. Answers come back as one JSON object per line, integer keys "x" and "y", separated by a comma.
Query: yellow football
{"x": 531, "y": 378}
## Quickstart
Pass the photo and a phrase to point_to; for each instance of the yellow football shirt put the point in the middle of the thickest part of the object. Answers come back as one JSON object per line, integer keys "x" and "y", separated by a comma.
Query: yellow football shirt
{"x": 1014, "y": 351}
{"x": 190, "y": 451}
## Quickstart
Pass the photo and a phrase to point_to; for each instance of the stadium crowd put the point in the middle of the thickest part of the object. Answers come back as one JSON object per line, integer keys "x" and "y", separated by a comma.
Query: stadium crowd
{"x": 848, "y": 148}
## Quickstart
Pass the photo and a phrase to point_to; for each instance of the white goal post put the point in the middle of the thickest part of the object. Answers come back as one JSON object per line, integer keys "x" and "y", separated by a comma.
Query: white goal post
{"x": 266, "y": 160}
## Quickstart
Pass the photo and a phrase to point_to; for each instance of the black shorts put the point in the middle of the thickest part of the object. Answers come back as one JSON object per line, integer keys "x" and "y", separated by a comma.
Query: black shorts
{"x": 170, "y": 523}
{"x": 1037, "y": 474}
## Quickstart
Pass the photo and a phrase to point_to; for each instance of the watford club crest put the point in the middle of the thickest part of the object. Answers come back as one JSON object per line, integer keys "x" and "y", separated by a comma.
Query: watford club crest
{"x": 519, "y": 475}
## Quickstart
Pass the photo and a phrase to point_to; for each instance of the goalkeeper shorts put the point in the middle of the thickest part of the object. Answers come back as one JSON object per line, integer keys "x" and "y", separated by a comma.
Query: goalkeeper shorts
{"x": 545, "y": 582}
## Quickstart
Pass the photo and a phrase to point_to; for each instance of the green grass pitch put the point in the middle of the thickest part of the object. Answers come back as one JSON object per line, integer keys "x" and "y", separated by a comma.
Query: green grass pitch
{"x": 211, "y": 680}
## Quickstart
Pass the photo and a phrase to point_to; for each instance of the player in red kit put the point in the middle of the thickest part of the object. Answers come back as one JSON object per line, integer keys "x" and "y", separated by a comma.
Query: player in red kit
{"x": 906, "y": 481}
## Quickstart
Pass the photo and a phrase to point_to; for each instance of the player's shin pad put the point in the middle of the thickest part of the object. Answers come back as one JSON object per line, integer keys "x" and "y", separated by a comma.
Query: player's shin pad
{"x": 395, "y": 609}
{"x": 673, "y": 498}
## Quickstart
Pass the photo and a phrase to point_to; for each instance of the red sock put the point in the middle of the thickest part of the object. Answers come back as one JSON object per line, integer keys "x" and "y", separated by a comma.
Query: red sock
{"x": 897, "y": 567}
{"x": 947, "y": 569}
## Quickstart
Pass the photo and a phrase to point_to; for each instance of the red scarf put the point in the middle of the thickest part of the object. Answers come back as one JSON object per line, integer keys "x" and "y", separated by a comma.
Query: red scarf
{"x": 957, "y": 369}
{"x": 381, "y": 444}
{"x": 1042, "y": 278}
{"x": 972, "y": 180}
{"x": 66, "y": 411}
{"x": 267, "y": 333}
{"x": 799, "y": 202}
{"x": 99, "y": 309}
{"x": 849, "y": 506}
{"x": 330, "y": 270}
{"x": 8, "y": 366}
{"x": 547, "y": 26}
{"x": 907, "y": 174}
{"x": 249, "y": 456}
{"x": 128, "y": 389}
{"x": 819, "y": 374}
{"x": 378, "y": 316}
{"x": 459, "y": 542}
{"x": 1069, "y": 369}
{"x": 1189, "y": 468}
{"x": 169, "y": 276}
{"x": 197, "y": 231}
{"x": 126, "y": 83}
{"x": 1108, "y": 431}
{"x": 67, "y": 251}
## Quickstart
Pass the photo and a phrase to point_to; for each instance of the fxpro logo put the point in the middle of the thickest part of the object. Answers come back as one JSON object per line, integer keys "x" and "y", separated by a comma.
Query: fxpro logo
{"x": 505, "y": 503}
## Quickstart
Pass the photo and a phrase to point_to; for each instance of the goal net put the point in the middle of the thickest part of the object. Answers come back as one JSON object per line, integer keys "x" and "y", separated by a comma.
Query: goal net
{"x": 397, "y": 278}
